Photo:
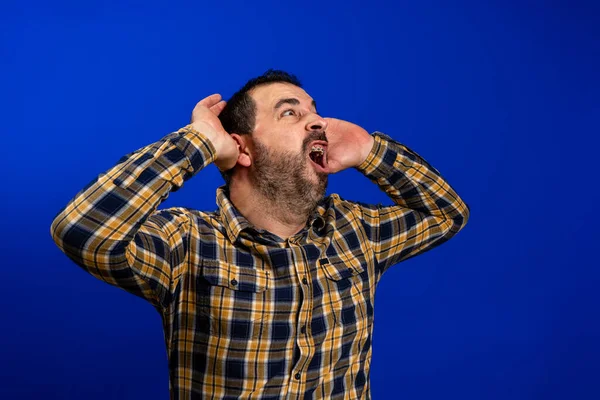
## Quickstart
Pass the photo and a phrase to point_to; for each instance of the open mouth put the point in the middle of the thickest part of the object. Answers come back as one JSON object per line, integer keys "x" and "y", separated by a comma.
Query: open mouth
{"x": 318, "y": 154}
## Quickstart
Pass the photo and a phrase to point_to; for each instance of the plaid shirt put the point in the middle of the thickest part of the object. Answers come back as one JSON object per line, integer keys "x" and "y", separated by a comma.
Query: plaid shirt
{"x": 247, "y": 314}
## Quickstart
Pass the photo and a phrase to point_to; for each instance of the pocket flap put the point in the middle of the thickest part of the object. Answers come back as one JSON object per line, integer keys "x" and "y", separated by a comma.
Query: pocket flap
{"x": 235, "y": 278}
{"x": 337, "y": 269}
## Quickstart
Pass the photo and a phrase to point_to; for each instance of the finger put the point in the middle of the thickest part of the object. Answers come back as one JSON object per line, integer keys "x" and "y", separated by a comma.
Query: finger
{"x": 217, "y": 108}
{"x": 210, "y": 101}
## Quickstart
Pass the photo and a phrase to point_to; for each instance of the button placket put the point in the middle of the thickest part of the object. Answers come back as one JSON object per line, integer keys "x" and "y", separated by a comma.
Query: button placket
{"x": 302, "y": 338}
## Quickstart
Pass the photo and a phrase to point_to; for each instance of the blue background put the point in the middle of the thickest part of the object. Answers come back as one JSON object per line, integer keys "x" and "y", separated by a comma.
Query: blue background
{"x": 502, "y": 97}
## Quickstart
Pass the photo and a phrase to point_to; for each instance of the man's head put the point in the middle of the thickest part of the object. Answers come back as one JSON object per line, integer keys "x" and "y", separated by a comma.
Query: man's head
{"x": 277, "y": 123}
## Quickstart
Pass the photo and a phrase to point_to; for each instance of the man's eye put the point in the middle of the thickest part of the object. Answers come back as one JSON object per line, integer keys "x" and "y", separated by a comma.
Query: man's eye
{"x": 285, "y": 113}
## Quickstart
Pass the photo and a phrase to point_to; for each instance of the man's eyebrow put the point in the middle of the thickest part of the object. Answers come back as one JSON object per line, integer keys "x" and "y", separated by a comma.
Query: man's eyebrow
{"x": 293, "y": 102}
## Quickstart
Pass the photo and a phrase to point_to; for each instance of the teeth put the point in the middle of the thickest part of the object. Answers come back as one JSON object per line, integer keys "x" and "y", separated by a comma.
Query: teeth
{"x": 317, "y": 149}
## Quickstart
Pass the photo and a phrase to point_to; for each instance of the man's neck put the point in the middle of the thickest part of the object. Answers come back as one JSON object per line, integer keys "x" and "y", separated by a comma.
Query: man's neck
{"x": 264, "y": 214}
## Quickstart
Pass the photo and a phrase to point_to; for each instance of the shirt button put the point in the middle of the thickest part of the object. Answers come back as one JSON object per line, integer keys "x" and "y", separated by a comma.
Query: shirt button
{"x": 297, "y": 376}
{"x": 305, "y": 281}
{"x": 303, "y": 329}
{"x": 234, "y": 282}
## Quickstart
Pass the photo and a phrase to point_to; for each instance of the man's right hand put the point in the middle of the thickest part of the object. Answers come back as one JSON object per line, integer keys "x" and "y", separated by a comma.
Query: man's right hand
{"x": 205, "y": 119}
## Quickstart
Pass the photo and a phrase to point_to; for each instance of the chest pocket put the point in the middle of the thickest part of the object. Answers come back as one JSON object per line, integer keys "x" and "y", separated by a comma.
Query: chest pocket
{"x": 231, "y": 299}
{"x": 243, "y": 279}
{"x": 349, "y": 293}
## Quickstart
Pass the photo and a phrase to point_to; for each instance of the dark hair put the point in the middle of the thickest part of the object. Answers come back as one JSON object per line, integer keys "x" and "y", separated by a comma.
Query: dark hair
{"x": 239, "y": 115}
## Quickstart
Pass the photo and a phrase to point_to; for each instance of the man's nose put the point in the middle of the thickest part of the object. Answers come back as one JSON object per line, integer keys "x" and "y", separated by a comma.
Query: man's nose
{"x": 316, "y": 124}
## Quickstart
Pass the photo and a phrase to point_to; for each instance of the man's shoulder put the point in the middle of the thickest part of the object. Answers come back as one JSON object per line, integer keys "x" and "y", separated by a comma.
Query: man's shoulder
{"x": 186, "y": 215}
{"x": 334, "y": 200}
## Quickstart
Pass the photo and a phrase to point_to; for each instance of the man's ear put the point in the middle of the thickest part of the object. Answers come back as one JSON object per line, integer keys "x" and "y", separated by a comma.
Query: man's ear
{"x": 242, "y": 142}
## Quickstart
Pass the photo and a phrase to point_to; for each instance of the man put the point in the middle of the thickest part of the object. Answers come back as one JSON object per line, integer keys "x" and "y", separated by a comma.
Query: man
{"x": 271, "y": 296}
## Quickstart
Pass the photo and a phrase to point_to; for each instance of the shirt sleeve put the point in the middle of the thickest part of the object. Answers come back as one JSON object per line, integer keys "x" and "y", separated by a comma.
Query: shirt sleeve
{"x": 112, "y": 228}
{"x": 427, "y": 211}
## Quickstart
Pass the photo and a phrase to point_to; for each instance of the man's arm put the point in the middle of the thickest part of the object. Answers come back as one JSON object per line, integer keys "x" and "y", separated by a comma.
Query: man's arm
{"x": 111, "y": 227}
{"x": 427, "y": 213}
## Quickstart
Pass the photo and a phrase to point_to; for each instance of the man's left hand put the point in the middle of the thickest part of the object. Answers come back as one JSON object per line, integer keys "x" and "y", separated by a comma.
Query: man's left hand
{"x": 348, "y": 145}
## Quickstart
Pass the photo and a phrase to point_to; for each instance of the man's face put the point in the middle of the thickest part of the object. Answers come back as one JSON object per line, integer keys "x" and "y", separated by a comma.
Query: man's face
{"x": 287, "y": 129}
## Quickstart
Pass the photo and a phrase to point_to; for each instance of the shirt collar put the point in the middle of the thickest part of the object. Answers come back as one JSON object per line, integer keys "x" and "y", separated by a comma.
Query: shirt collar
{"x": 234, "y": 222}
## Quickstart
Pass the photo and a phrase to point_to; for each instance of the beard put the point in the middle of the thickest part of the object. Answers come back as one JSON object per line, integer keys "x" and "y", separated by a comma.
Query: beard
{"x": 284, "y": 178}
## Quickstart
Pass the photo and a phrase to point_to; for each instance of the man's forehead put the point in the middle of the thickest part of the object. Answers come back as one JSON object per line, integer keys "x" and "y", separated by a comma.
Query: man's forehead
{"x": 267, "y": 96}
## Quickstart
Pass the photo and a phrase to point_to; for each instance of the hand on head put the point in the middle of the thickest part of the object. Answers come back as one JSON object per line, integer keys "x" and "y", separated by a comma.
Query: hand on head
{"x": 205, "y": 119}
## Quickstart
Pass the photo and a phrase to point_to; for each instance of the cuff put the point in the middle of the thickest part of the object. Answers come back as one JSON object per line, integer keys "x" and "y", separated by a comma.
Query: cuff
{"x": 380, "y": 161}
